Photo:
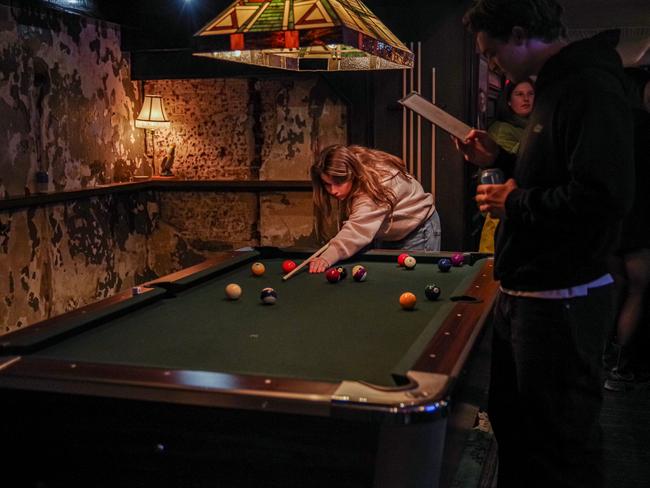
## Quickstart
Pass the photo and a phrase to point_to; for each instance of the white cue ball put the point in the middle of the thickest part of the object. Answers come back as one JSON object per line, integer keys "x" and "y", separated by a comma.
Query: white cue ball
{"x": 233, "y": 291}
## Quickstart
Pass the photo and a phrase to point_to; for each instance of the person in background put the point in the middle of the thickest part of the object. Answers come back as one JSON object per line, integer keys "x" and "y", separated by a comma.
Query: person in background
{"x": 506, "y": 131}
{"x": 630, "y": 266}
{"x": 571, "y": 183}
{"x": 384, "y": 206}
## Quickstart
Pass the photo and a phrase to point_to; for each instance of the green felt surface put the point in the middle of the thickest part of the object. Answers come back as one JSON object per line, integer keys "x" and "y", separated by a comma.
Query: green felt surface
{"x": 315, "y": 331}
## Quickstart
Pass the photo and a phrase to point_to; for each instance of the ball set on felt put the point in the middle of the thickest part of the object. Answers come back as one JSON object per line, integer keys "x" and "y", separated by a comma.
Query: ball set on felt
{"x": 407, "y": 300}
{"x": 406, "y": 261}
{"x": 338, "y": 273}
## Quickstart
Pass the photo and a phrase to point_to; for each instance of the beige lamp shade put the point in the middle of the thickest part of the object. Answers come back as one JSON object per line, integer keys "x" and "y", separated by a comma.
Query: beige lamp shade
{"x": 152, "y": 116}
{"x": 302, "y": 35}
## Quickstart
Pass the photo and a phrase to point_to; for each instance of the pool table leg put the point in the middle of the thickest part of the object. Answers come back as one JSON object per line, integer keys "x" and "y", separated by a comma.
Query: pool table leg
{"x": 410, "y": 455}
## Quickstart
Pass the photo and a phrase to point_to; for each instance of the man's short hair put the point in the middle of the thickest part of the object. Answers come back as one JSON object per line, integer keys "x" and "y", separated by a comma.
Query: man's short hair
{"x": 541, "y": 19}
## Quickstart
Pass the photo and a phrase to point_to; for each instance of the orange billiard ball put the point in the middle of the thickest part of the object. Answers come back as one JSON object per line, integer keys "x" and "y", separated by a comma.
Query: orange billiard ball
{"x": 258, "y": 269}
{"x": 407, "y": 300}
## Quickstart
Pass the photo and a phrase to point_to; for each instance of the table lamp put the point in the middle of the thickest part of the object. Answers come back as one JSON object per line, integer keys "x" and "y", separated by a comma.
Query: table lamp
{"x": 152, "y": 117}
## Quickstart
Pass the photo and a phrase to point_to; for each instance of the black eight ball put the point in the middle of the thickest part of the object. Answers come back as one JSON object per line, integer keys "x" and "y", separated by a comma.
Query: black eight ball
{"x": 342, "y": 271}
{"x": 432, "y": 292}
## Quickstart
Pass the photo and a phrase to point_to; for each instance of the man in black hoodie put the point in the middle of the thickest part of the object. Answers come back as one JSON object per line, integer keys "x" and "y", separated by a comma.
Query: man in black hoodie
{"x": 570, "y": 185}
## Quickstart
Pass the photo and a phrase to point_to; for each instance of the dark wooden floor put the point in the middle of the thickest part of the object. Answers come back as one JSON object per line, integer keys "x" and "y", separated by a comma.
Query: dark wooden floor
{"x": 625, "y": 420}
{"x": 626, "y": 426}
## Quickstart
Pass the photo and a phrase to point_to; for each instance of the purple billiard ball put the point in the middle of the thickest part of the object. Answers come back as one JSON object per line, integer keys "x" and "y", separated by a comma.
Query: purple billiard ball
{"x": 457, "y": 259}
{"x": 359, "y": 273}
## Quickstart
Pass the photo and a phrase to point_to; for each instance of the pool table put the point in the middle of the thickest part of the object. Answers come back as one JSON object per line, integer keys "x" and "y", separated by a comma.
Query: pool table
{"x": 173, "y": 384}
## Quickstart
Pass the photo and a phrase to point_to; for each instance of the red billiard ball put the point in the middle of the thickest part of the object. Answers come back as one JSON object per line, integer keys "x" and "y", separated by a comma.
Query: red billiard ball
{"x": 333, "y": 275}
{"x": 401, "y": 258}
{"x": 457, "y": 259}
{"x": 288, "y": 265}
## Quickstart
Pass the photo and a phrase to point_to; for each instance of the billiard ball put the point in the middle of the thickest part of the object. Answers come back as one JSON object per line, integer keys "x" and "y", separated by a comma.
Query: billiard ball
{"x": 268, "y": 296}
{"x": 342, "y": 271}
{"x": 258, "y": 269}
{"x": 359, "y": 273}
{"x": 409, "y": 262}
{"x": 432, "y": 292}
{"x": 401, "y": 258}
{"x": 333, "y": 275}
{"x": 407, "y": 300}
{"x": 288, "y": 266}
{"x": 233, "y": 291}
{"x": 444, "y": 265}
{"x": 457, "y": 259}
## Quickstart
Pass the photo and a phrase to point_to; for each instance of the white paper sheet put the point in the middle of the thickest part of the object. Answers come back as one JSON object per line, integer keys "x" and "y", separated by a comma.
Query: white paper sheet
{"x": 435, "y": 115}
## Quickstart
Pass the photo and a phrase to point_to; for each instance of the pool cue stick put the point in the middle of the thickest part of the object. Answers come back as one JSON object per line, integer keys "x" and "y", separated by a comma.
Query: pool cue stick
{"x": 306, "y": 261}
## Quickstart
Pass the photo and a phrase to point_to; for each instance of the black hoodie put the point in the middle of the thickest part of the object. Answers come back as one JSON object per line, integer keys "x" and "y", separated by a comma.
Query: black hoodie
{"x": 574, "y": 172}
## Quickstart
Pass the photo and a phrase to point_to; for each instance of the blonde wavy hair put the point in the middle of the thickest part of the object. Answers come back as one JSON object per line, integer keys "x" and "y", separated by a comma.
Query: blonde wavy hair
{"x": 366, "y": 168}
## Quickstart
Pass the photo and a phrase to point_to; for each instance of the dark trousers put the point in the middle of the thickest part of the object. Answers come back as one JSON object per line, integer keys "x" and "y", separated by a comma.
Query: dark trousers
{"x": 546, "y": 389}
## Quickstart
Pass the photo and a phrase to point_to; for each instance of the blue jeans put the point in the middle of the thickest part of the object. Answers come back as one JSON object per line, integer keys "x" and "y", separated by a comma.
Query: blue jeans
{"x": 425, "y": 237}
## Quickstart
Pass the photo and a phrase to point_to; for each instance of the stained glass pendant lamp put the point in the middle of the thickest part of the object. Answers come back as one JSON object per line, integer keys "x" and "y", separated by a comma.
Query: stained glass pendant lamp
{"x": 302, "y": 35}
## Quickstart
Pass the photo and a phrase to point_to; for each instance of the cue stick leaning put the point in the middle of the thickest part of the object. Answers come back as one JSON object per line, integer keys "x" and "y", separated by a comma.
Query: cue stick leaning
{"x": 306, "y": 261}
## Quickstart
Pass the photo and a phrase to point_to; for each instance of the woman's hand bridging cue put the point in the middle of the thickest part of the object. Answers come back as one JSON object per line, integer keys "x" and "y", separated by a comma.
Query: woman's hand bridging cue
{"x": 318, "y": 265}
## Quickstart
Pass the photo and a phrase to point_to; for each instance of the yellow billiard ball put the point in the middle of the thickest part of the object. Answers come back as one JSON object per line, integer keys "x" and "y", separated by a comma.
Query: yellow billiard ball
{"x": 258, "y": 269}
{"x": 407, "y": 300}
{"x": 233, "y": 291}
{"x": 410, "y": 262}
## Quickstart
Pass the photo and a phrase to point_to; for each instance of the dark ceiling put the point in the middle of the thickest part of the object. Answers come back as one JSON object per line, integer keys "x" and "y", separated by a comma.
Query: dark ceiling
{"x": 170, "y": 24}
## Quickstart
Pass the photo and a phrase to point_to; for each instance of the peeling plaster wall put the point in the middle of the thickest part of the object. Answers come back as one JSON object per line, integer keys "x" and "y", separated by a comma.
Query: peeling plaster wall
{"x": 57, "y": 258}
{"x": 245, "y": 129}
{"x": 67, "y": 102}
{"x": 210, "y": 222}
{"x": 242, "y": 129}
{"x": 67, "y": 106}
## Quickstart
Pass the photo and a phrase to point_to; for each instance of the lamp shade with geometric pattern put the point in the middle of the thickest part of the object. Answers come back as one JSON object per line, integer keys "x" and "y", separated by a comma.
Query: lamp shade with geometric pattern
{"x": 302, "y": 35}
